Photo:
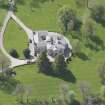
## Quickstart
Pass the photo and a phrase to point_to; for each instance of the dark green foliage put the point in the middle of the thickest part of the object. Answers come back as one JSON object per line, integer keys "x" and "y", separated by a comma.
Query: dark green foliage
{"x": 14, "y": 53}
{"x": 43, "y": 63}
{"x": 26, "y": 53}
{"x": 75, "y": 102}
{"x": 68, "y": 20}
{"x": 4, "y": 4}
{"x": 59, "y": 66}
{"x": 7, "y": 82}
{"x": 98, "y": 14}
{"x": 57, "y": 69}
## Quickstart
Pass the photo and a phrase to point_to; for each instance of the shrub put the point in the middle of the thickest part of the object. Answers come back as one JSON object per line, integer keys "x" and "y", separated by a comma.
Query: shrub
{"x": 26, "y": 53}
{"x": 14, "y": 53}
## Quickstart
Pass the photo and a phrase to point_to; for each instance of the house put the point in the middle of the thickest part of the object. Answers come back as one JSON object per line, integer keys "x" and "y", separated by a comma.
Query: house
{"x": 52, "y": 43}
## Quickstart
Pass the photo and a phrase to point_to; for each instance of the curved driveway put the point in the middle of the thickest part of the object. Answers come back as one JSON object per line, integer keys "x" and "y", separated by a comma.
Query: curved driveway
{"x": 14, "y": 62}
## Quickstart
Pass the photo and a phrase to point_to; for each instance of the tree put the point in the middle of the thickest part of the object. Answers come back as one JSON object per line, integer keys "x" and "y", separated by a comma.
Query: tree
{"x": 98, "y": 14}
{"x": 101, "y": 70}
{"x": 26, "y": 53}
{"x": 87, "y": 28}
{"x": 67, "y": 19}
{"x": 14, "y": 53}
{"x": 43, "y": 63}
{"x": 59, "y": 65}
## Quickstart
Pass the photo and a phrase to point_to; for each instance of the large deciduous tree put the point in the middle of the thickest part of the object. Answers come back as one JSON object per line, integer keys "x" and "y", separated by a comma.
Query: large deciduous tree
{"x": 98, "y": 14}
{"x": 67, "y": 19}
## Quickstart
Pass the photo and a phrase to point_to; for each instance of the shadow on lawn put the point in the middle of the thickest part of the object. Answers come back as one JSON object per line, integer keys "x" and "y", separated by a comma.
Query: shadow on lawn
{"x": 8, "y": 85}
{"x": 83, "y": 56}
{"x": 66, "y": 75}
{"x": 96, "y": 43}
{"x": 4, "y": 6}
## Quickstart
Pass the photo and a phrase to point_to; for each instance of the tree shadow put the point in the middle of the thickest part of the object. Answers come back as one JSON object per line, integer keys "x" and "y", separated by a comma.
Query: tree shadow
{"x": 82, "y": 56}
{"x": 78, "y": 25}
{"x": 92, "y": 47}
{"x": 75, "y": 102}
{"x": 96, "y": 43}
{"x": 100, "y": 21}
{"x": 4, "y": 6}
{"x": 8, "y": 85}
{"x": 65, "y": 75}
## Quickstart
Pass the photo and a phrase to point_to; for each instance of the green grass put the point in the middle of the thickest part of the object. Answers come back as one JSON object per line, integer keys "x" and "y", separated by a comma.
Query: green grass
{"x": 15, "y": 38}
{"x": 45, "y": 18}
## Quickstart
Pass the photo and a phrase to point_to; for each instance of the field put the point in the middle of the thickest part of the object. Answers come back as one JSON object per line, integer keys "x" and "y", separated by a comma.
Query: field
{"x": 45, "y": 18}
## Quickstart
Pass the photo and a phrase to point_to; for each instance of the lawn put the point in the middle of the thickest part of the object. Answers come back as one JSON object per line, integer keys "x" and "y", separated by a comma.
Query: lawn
{"x": 17, "y": 39}
{"x": 45, "y": 18}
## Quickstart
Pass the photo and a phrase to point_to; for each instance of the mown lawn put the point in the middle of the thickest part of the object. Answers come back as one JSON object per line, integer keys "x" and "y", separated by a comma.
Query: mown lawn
{"x": 15, "y": 38}
{"x": 45, "y": 18}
